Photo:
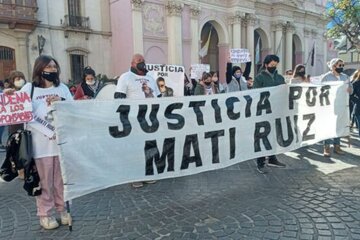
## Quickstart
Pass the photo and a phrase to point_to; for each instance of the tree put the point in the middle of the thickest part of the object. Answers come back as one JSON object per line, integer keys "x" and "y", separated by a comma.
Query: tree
{"x": 344, "y": 17}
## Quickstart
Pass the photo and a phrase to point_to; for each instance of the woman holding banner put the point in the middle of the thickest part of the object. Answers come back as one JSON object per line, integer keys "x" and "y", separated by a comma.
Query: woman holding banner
{"x": 206, "y": 86}
{"x": 336, "y": 66}
{"x": 47, "y": 89}
{"x": 299, "y": 75}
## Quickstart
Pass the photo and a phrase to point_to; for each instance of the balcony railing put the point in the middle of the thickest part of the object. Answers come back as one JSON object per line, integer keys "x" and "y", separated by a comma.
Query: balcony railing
{"x": 77, "y": 22}
{"x": 19, "y": 13}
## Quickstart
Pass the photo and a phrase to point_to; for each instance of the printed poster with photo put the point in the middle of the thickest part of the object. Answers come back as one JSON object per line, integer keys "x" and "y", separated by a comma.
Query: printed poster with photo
{"x": 172, "y": 74}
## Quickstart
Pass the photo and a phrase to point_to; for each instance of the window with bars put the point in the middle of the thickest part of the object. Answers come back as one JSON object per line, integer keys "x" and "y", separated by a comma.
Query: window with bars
{"x": 6, "y": 53}
{"x": 74, "y": 13}
{"x": 77, "y": 62}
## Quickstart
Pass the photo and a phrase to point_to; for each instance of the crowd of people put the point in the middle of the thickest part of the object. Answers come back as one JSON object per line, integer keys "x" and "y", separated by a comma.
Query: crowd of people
{"x": 45, "y": 87}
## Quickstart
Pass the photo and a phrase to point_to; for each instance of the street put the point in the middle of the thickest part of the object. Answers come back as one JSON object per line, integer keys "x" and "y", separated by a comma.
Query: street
{"x": 312, "y": 198}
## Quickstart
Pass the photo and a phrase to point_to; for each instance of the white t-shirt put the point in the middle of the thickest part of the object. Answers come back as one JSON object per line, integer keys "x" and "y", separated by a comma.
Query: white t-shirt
{"x": 43, "y": 146}
{"x": 136, "y": 86}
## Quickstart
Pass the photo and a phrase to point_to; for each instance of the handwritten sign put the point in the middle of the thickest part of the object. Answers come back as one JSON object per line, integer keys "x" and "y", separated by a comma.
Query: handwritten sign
{"x": 15, "y": 108}
{"x": 197, "y": 70}
{"x": 239, "y": 55}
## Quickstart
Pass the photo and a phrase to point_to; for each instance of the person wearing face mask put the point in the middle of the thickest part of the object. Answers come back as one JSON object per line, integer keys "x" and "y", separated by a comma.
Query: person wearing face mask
{"x": 137, "y": 84}
{"x": 235, "y": 78}
{"x": 89, "y": 87}
{"x": 336, "y": 66}
{"x": 165, "y": 90}
{"x": 16, "y": 81}
{"x": 299, "y": 75}
{"x": 47, "y": 89}
{"x": 268, "y": 77}
{"x": 206, "y": 86}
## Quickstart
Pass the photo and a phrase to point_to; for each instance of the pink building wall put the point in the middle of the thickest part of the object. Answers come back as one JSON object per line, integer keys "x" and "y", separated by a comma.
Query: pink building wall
{"x": 122, "y": 36}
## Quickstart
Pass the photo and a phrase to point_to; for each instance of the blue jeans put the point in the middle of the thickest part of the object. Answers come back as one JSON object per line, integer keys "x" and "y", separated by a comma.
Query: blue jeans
{"x": 335, "y": 141}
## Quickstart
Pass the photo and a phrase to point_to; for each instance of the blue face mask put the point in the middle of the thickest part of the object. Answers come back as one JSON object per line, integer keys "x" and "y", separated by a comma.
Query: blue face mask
{"x": 237, "y": 75}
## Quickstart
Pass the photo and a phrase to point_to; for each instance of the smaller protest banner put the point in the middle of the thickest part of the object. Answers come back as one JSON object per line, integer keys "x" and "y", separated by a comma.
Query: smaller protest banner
{"x": 172, "y": 74}
{"x": 197, "y": 70}
{"x": 15, "y": 108}
{"x": 239, "y": 55}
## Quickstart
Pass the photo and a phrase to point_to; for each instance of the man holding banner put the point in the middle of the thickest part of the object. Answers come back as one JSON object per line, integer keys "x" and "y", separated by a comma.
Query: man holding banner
{"x": 137, "y": 84}
{"x": 268, "y": 77}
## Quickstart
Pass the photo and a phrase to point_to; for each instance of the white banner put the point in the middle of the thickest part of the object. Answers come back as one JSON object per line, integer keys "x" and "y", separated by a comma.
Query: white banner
{"x": 106, "y": 143}
{"x": 172, "y": 74}
{"x": 15, "y": 108}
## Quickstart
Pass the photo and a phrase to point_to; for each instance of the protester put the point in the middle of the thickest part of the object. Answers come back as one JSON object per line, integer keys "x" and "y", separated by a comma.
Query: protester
{"x": 205, "y": 86}
{"x": 299, "y": 75}
{"x": 137, "y": 84}
{"x": 89, "y": 87}
{"x": 288, "y": 75}
{"x": 336, "y": 66}
{"x": 235, "y": 78}
{"x": 164, "y": 90}
{"x": 355, "y": 97}
{"x": 250, "y": 83}
{"x": 47, "y": 89}
{"x": 16, "y": 81}
{"x": 268, "y": 77}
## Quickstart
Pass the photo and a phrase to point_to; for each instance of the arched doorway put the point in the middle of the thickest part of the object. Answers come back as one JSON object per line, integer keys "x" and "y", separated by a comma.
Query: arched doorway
{"x": 210, "y": 40}
{"x": 7, "y": 61}
{"x": 261, "y": 48}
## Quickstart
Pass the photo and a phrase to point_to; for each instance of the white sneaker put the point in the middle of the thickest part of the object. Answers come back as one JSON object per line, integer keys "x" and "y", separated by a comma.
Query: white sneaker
{"x": 49, "y": 222}
{"x": 64, "y": 216}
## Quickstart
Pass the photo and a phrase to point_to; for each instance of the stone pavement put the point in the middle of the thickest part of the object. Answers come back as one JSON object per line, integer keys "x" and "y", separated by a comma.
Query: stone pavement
{"x": 313, "y": 198}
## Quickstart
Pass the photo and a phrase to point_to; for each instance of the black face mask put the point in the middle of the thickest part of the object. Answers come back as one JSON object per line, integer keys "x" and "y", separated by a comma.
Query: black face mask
{"x": 271, "y": 69}
{"x": 339, "y": 70}
{"x": 207, "y": 83}
{"x": 301, "y": 74}
{"x": 141, "y": 67}
{"x": 50, "y": 76}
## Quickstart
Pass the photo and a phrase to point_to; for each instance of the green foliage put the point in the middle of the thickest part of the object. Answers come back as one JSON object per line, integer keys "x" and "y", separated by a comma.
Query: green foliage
{"x": 344, "y": 18}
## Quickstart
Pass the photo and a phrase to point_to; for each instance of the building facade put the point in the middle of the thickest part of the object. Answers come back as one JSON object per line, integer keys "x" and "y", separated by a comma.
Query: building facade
{"x": 76, "y": 32}
{"x": 173, "y": 32}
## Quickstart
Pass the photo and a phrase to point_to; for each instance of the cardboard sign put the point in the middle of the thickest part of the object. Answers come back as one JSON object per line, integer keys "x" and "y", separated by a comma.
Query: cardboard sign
{"x": 239, "y": 55}
{"x": 15, "y": 108}
{"x": 197, "y": 70}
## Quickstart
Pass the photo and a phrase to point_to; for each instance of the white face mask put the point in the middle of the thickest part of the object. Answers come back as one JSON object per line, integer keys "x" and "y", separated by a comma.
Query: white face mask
{"x": 19, "y": 83}
{"x": 90, "y": 82}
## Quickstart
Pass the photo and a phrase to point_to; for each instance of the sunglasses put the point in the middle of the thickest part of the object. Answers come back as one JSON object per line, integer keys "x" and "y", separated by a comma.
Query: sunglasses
{"x": 341, "y": 65}
{"x": 161, "y": 85}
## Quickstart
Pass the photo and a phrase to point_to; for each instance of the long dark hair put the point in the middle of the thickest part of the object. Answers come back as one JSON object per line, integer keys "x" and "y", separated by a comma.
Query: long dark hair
{"x": 40, "y": 63}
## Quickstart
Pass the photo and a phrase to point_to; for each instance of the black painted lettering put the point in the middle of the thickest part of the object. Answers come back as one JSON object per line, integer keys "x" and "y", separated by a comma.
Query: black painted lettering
{"x": 170, "y": 115}
{"x": 262, "y": 130}
{"x": 199, "y": 115}
{"x": 152, "y": 156}
{"x": 214, "y": 135}
{"x": 191, "y": 141}
{"x": 324, "y": 95}
{"x": 311, "y": 118}
{"x": 294, "y": 94}
{"x": 216, "y": 107}
{"x": 230, "y": 108}
{"x": 114, "y": 131}
{"x": 279, "y": 132}
{"x": 264, "y": 103}
{"x": 153, "y": 118}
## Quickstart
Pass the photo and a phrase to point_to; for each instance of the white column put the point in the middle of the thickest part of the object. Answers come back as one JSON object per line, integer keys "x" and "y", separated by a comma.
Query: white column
{"x": 137, "y": 26}
{"x": 236, "y": 43}
{"x": 278, "y": 50}
{"x": 21, "y": 56}
{"x": 289, "y": 47}
{"x": 325, "y": 49}
{"x": 250, "y": 22}
{"x": 174, "y": 32}
{"x": 243, "y": 34}
{"x": 307, "y": 48}
{"x": 194, "y": 25}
